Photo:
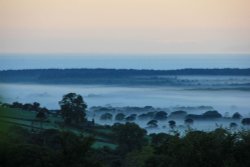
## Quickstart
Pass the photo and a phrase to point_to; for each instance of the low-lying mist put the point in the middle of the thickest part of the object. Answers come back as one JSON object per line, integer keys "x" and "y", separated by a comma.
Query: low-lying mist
{"x": 227, "y": 95}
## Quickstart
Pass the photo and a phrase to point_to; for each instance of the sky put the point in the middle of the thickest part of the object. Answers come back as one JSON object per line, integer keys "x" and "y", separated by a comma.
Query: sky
{"x": 136, "y": 61}
{"x": 125, "y": 26}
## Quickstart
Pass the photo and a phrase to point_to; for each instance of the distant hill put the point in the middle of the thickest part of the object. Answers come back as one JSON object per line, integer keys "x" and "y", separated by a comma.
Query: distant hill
{"x": 109, "y": 76}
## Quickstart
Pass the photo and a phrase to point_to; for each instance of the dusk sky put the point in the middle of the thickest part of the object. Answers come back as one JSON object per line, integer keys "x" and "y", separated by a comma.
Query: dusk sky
{"x": 125, "y": 26}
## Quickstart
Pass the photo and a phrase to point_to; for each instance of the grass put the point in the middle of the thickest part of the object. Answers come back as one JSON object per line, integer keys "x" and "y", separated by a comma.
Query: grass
{"x": 10, "y": 117}
{"x": 16, "y": 113}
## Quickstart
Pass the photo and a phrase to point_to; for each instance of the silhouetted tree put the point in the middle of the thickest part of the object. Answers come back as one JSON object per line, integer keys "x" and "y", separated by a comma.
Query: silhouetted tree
{"x": 233, "y": 125}
{"x": 106, "y": 116}
{"x": 17, "y": 105}
{"x": 152, "y": 123}
{"x": 41, "y": 116}
{"x": 120, "y": 117}
{"x": 211, "y": 114}
{"x": 131, "y": 117}
{"x": 148, "y": 115}
{"x": 246, "y": 121}
{"x": 73, "y": 108}
{"x": 189, "y": 121}
{"x": 236, "y": 116}
{"x": 172, "y": 124}
{"x": 161, "y": 115}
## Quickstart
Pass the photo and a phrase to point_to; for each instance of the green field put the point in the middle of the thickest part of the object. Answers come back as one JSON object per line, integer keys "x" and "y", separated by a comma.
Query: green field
{"x": 12, "y": 117}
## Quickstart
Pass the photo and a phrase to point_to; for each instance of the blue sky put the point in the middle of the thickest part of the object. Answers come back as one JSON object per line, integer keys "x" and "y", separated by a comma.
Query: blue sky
{"x": 170, "y": 61}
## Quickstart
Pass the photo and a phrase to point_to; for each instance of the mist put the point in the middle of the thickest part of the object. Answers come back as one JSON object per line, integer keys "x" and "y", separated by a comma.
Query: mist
{"x": 226, "y": 94}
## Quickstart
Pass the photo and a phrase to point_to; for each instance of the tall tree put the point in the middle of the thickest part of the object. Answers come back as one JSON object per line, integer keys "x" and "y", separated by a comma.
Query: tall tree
{"x": 41, "y": 117}
{"x": 73, "y": 108}
{"x": 152, "y": 123}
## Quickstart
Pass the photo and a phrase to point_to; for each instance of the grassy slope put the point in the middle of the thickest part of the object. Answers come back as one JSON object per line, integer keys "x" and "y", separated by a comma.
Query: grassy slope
{"x": 10, "y": 117}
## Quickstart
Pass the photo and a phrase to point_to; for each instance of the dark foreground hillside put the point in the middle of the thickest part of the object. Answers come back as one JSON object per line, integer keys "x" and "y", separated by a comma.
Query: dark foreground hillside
{"x": 21, "y": 146}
